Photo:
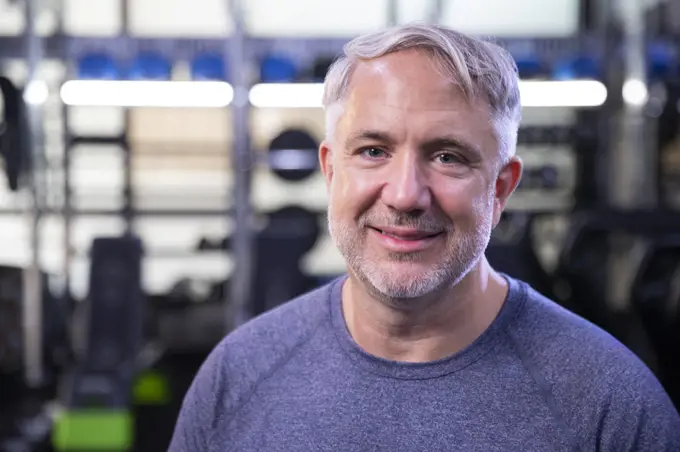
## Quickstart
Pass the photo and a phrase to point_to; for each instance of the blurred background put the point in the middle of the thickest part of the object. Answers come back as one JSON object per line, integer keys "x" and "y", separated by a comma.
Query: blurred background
{"x": 159, "y": 186}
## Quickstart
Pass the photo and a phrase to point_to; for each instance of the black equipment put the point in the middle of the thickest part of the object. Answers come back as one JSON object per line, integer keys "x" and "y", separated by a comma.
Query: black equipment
{"x": 14, "y": 136}
{"x": 290, "y": 233}
{"x": 293, "y": 155}
{"x": 656, "y": 298}
{"x": 511, "y": 251}
{"x": 320, "y": 68}
{"x": 114, "y": 324}
{"x": 24, "y": 421}
{"x": 98, "y": 394}
{"x": 54, "y": 327}
{"x": 584, "y": 263}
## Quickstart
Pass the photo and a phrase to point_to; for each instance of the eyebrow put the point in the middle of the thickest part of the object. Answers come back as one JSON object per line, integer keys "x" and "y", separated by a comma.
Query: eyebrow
{"x": 444, "y": 141}
{"x": 368, "y": 135}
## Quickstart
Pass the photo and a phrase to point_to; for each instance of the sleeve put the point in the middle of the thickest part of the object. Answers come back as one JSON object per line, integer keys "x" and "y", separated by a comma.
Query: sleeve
{"x": 201, "y": 407}
{"x": 640, "y": 417}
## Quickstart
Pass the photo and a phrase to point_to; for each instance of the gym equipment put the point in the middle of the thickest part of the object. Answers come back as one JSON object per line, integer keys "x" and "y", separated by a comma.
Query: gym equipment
{"x": 321, "y": 67}
{"x": 656, "y": 298}
{"x": 150, "y": 66}
{"x": 290, "y": 233}
{"x": 582, "y": 67}
{"x": 277, "y": 69}
{"x": 98, "y": 66}
{"x": 209, "y": 67}
{"x": 293, "y": 155}
{"x": 512, "y": 252}
{"x": 583, "y": 263}
{"x": 530, "y": 67}
{"x": 23, "y": 419}
{"x": 660, "y": 61}
{"x": 55, "y": 334}
{"x": 98, "y": 393}
{"x": 14, "y": 136}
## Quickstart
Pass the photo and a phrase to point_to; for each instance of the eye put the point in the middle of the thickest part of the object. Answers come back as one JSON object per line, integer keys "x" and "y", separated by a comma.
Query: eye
{"x": 373, "y": 153}
{"x": 448, "y": 158}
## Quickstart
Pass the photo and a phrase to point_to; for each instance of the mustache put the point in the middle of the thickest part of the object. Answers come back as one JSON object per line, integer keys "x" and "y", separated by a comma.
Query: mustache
{"x": 423, "y": 223}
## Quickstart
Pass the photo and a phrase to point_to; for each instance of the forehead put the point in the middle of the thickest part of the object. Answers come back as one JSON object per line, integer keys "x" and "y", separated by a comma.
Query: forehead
{"x": 407, "y": 95}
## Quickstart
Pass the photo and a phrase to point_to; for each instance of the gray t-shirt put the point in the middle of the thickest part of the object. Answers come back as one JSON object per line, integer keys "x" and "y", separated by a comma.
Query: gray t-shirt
{"x": 538, "y": 379}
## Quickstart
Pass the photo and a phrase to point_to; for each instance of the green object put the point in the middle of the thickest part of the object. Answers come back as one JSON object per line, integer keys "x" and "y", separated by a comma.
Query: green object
{"x": 93, "y": 430}
{"x": 151, "y": 388}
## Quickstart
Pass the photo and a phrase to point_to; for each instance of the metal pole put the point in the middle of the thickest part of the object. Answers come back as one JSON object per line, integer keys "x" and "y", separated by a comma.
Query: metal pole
{"x": 633, "y": 168}
{"x": 633, "y": 175}
{"x": 67, "y": 207}
{"x": 436, "y": 11}
{"x": 392, "y": 12}
{"x": 32, "y": 293}
{"x": 238, "y": 303}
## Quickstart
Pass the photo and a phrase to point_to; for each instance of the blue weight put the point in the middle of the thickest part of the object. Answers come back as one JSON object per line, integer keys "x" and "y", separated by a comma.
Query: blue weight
{"x": 150, "y": 66}
{"x": 277, "y": 69}
{"x": 208, "y": 67}
{"x": 660, "y": 61}
{"x": 583, "y": 67}
{"x": 529, "y": 67}
{"x": 97, "y": 66}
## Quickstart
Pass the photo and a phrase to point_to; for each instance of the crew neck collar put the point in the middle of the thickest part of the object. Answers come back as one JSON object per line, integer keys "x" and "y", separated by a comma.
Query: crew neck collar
{"x": 514, "y": 300}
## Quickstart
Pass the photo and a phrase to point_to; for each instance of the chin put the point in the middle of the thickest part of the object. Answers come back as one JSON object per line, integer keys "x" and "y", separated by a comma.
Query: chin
{"x": 400, "y": 283}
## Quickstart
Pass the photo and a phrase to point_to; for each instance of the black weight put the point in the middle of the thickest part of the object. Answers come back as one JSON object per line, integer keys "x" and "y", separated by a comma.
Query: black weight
{"x": 655, "y": 298}
{"x": 290, "y": 233}
{"x": 511, "y": 251}
{"x": 582, "y": 267}
{"x": 293, "y": 155}
{"x": 14, "y": 137}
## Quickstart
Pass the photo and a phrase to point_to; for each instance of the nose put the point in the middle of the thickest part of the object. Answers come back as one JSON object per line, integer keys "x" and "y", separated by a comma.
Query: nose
{"x": 406, "y": 188}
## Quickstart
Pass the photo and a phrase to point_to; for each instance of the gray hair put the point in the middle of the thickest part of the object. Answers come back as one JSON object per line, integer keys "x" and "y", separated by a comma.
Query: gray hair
{"x": 480, "y": 68}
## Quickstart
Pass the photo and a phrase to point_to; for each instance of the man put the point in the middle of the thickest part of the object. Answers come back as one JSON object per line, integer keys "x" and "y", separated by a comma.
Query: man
{"x": 423, "y": 346}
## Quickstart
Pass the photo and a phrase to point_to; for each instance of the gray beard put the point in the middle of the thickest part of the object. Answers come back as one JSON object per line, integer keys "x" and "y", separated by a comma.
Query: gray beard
{"x": 387, "y": 286}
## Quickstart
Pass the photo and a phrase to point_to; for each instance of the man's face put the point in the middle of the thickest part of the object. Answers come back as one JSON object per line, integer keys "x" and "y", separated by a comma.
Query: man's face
{"x": 413, "y": 178}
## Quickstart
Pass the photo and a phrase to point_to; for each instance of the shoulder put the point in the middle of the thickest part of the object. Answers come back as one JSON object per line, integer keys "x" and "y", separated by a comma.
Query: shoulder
{"x": 258, "y": 348}
{"x": 244, "y": 358}
{"x": 596, "y": 384}
{"x": 555, "y": 339}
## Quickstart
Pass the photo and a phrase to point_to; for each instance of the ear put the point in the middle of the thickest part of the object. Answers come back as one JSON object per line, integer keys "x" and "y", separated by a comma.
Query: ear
{"x": 506, "y": 183}
{"x": 326, "y": 161}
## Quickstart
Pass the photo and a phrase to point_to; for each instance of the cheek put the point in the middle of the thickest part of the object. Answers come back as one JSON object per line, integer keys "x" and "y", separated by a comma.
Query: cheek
{"x": 353, "y": 191}
{"x": 465, "y": 200}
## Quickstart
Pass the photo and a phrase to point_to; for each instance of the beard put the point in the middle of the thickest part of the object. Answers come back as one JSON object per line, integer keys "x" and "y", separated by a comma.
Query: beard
{"x": 403, "y": 276}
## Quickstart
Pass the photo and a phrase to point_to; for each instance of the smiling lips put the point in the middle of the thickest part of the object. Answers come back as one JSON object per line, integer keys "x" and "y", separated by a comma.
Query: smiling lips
{"x": 404, "y": 239}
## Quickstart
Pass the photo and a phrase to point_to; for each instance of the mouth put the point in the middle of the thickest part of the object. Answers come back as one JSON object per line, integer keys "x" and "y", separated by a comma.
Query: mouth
{"x": 405, "y": 240}
{"x": 407, "y": 235}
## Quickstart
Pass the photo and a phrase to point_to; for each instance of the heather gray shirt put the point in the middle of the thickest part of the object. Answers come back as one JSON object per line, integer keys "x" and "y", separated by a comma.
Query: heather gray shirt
{"x": 539, "y": 379}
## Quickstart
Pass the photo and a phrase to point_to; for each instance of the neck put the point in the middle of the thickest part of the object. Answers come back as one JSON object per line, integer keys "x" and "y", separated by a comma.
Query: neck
{"x": 425, "y": 330}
